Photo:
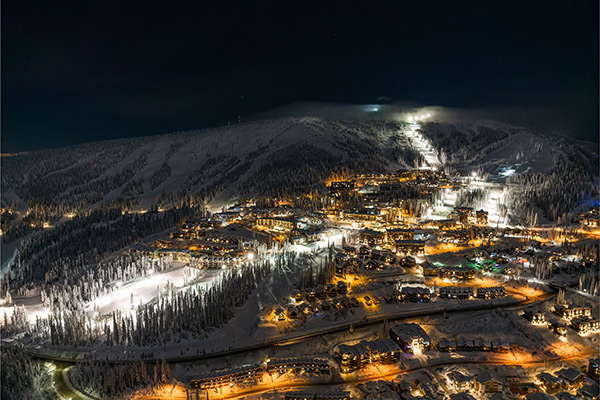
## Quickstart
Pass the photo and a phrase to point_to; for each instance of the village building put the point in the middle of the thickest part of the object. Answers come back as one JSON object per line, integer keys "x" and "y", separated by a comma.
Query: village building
{"x": 570, "y": 311}
{"x": 557, "y": 327}
{"x": 459, "y": 381}
{"x": 410, "y": 337}
{"x": 357, "y": 356}
{"x": 446, "y": 345}
{"x": 282, "y": 224}
{"x": 279, "y": 314}
{"x": 428, "y": 269}
{"x": 400, "y": 234}
{"x": 455, "y": 292}
{"x": 572, "y": 378}
{"x": 416, "y": 294}
{"x": 439, "y": 224}
{"x": 585, "y": 325}
{"x": 252, "y": 373}
{"x": 550, "y": 383}
{"x": 299, "y": 366}
{"x": 484, "y": 382}
{"x": 410, "y": 247}
{"x": 372, "y": 238}
{"x": 460, "y": 273}
{"x": 495, "y": 292}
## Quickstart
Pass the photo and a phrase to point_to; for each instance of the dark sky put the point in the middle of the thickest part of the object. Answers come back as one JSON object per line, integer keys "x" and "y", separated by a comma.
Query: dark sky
{"x": 90, "y": 70}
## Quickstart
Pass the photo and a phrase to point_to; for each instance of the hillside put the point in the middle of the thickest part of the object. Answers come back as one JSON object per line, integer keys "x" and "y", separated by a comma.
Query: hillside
{"x": 272, "y": 158}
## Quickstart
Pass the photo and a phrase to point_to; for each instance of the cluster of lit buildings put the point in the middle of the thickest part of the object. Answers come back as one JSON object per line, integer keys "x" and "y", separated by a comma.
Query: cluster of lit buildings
{"x": 256, "y": 373}
{"x": 409, "y": 338}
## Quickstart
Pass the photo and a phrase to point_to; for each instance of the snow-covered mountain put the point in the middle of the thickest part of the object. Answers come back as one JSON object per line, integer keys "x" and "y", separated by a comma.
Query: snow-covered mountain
{"x": 271, "y": 157}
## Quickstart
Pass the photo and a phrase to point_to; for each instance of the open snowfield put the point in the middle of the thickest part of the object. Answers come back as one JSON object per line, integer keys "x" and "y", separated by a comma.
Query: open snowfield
{"x": 147, "y": 289}
{"x": 144, "y": 290}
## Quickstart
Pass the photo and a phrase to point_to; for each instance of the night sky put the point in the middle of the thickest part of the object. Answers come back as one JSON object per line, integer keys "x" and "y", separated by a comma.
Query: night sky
{"x": 81, "y": 71}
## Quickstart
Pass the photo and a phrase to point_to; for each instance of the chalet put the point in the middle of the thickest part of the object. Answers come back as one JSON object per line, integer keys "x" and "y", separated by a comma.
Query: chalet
{"x": 456, "y": 236}
{"x": 368, "y": 301}
{"x": 570, "y": 311}
{"x": 446, "y": 345}
{"x": 349, "y": 250}
{"x": 456, "y": 292}
{"x": 305, "y": 308}
{"x": 485, "y": 383}
{"x": 461, "y": 273}
{"x": 572, "y": 378}
{"x": 410, "y": 337}
{"x": 416, "y": 294}
{"x": 299, "y": 366}
{"x": 326, "y": 306}
{"x": 480, "y": 344}
{"x": 300, "y": 236}
{"x": 338, "y": 303}
{"x": 495, "y": 292}
{"x": 410, "y": 247}
{"x": 400, "y": 234}
{"x": 353, "y": 302}
{"x": 291, "y": 312}
{"x": 538, "y": 318}
{"x": 384, "y": 351}
{"x": 311, "y": 294}
{"x": 297, "y": 296}
{"x": 279, "y": 314}
{"x": 459, "y": 381}
{"x": 557, "y": 327}
{"x": 550, "y": 383}
{"x": 331, "y": 290}
{"x": 341, "y": 258}
{"x": 585, "y": 325}
{"x": 321, "y": 293}
{"x": 353, "y": 357}
{"x": 357, "y": 356}
{"x": 372, "y": 238}
{"x": 429, "y": 269}
{"x": 372, "y": 264}
{"x": 342, "y": 287}
{"x": 383, "y": 256}
{"x": 440, "y": 224}
{"x": 363, "y": 251}
{"x": 463, "y": 344}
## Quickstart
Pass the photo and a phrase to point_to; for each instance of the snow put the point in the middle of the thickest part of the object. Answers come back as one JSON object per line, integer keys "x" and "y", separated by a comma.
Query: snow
{"x": 145, "y": 290}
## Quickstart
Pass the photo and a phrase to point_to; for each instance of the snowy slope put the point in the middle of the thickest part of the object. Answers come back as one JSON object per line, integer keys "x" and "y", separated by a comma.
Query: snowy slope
{"x": 265, "y": 157}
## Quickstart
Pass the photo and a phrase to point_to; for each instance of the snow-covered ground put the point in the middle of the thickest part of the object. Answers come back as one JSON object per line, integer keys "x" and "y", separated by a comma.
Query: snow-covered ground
{"x": 146, "y": 289}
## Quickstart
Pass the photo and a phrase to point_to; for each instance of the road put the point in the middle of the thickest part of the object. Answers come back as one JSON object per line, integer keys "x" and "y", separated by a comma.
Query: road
{"x": 65, "y": 391}
{"x": 389, "y": 372}
{"x": 287, "y": 340}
